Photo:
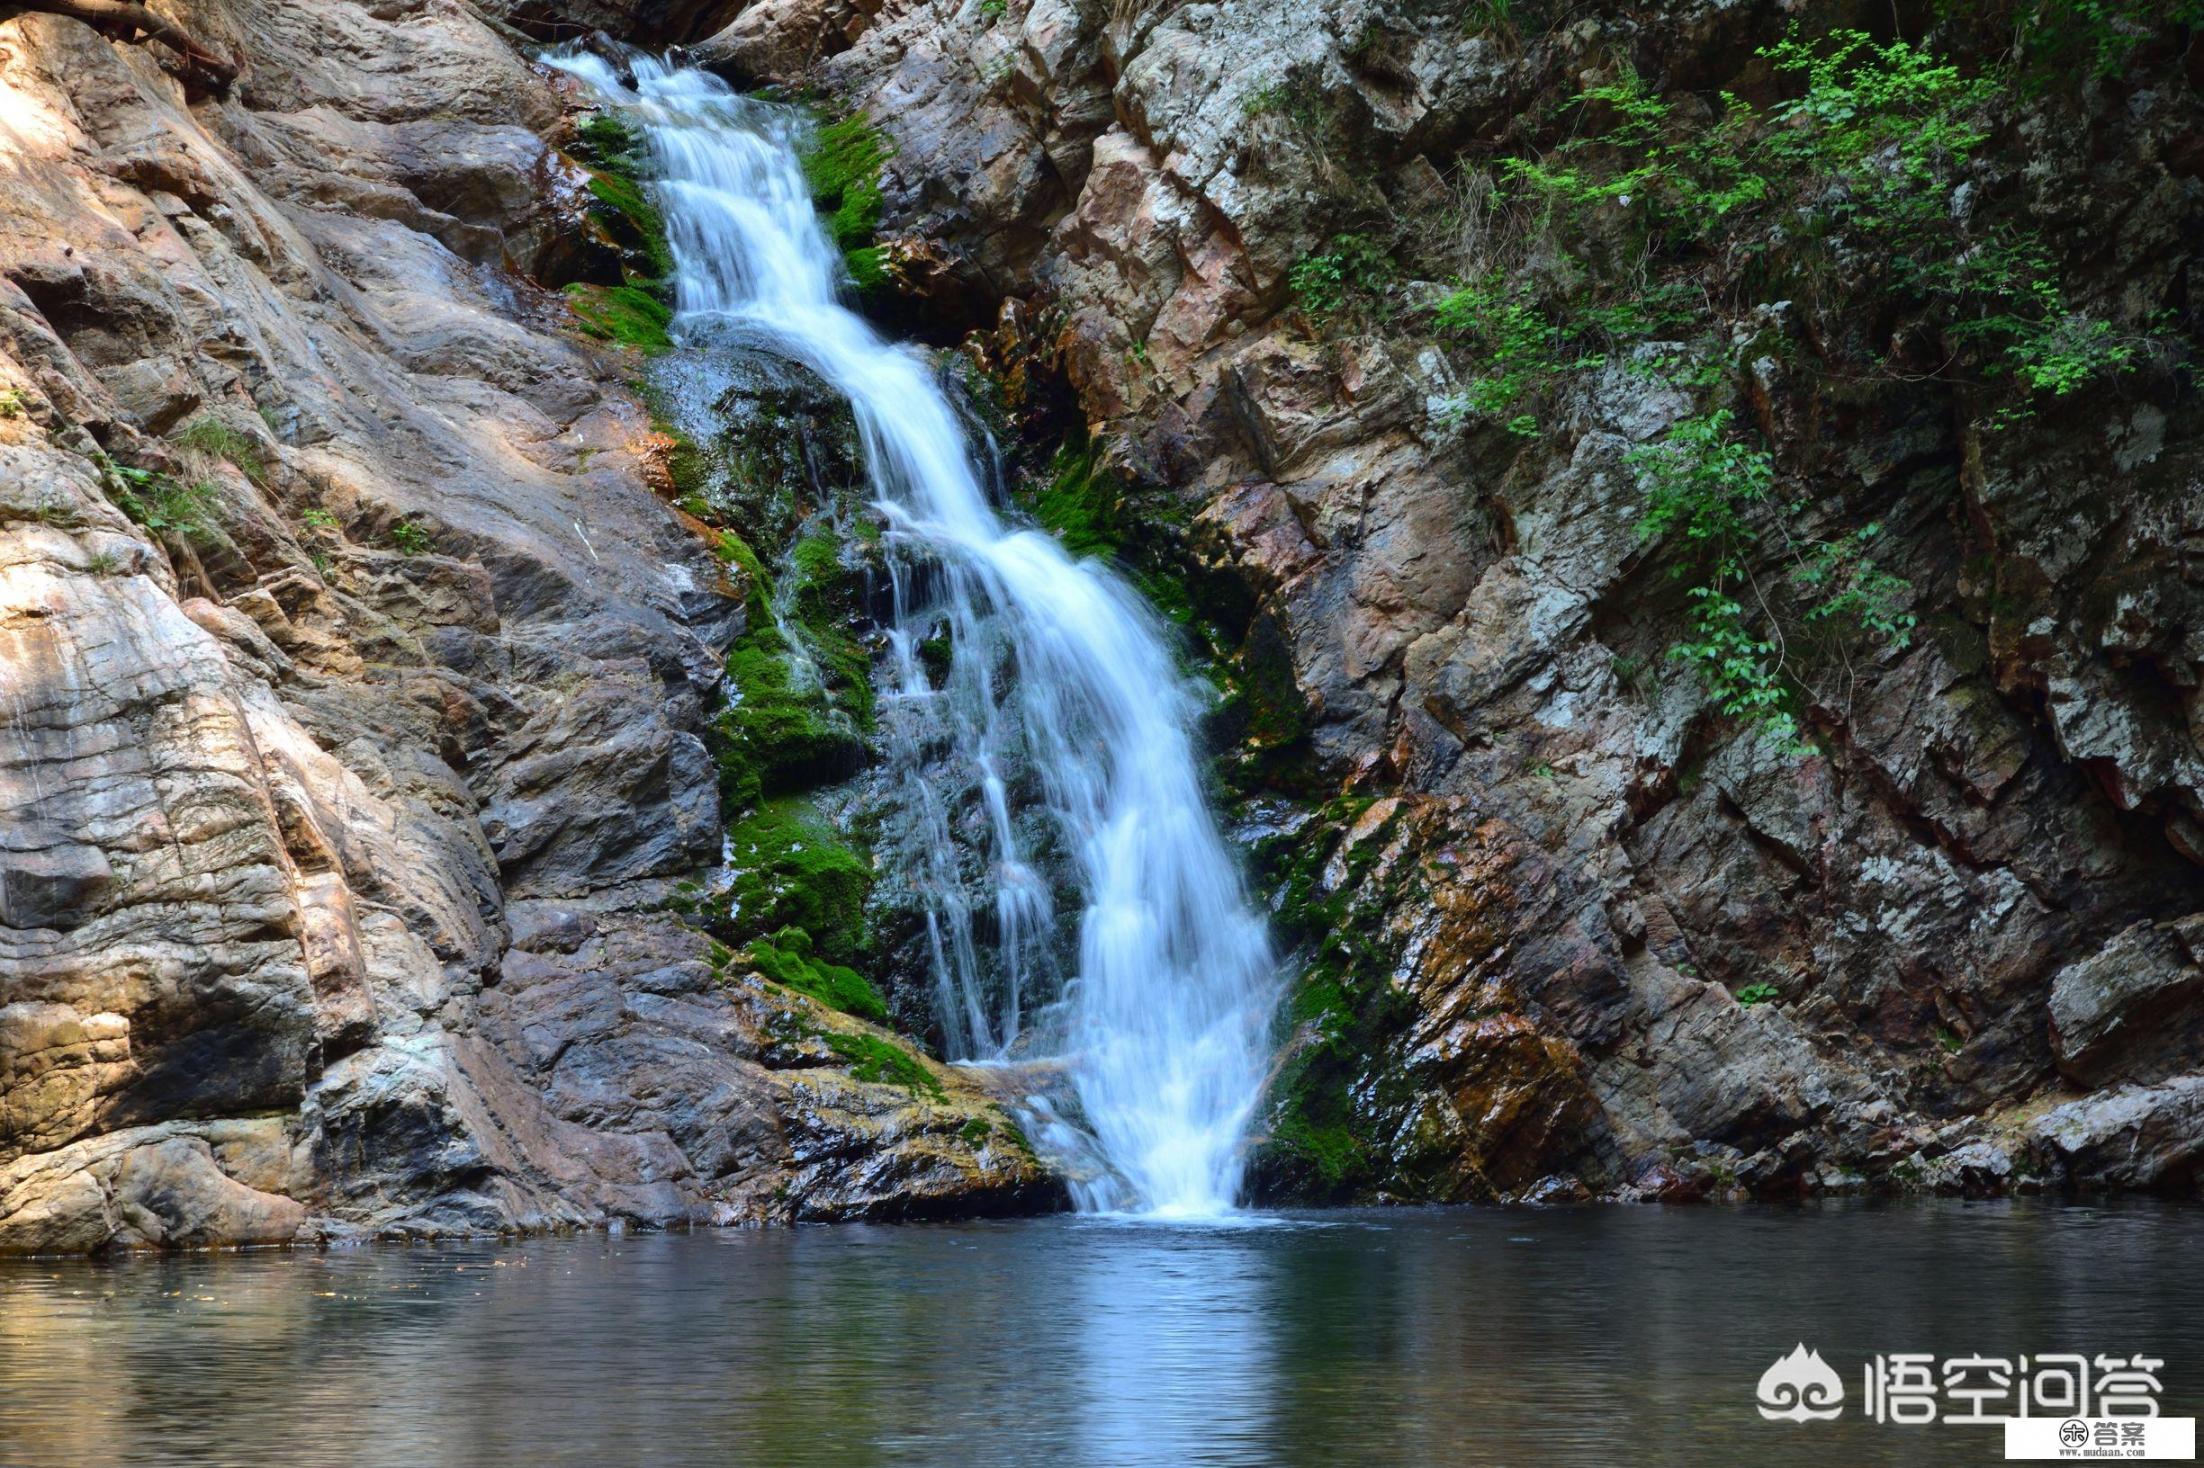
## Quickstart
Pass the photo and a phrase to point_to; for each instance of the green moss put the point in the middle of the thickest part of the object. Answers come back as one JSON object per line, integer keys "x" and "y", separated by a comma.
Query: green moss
{"x": 977, "y": 1130}
{"x": 635, "y": 312}
{"x": 842, "y": 165}
{"x": 606, "y": 141}
{"x": 867, "y": 266}
{"x": 634, "y": 220}
{"x": 824, "y": 602}
{"x": 779, "y": 736}
{"x": 787, "y": 959}
{"x": 689, "y": 465}
{"x": 626, "y": 314}
{"x": 1082, "y": 503}
{"x": 1263, "y": 719}
{"x": 1332, "y": 1152}
{"x": 781, "y": 731}
{"x": 793, "y": 870}
{"x": 883, "y": 1061}
{"x": 1341, "y": 1017}
{"x": 736, "y": 552}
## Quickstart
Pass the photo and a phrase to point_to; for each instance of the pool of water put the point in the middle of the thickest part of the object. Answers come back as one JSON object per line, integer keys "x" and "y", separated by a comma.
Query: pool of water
{"x": 1579, "y": 1335}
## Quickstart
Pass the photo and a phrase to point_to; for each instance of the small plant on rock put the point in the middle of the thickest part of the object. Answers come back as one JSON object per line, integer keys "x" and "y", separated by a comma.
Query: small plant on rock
{"x": 211, "y": 437}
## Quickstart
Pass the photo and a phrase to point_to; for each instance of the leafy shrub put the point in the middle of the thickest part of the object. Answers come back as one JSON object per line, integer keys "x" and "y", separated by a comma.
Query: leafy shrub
{"x": 1866, "y": 157}
{"x": 411, "y": 539}
{"x": 2057, "y": 38}
{"x": 1714, "y": 491}
{"x": 1322, "y": 283}
{"x": 1518, "y": 347}
{"x": 163, "y": 504}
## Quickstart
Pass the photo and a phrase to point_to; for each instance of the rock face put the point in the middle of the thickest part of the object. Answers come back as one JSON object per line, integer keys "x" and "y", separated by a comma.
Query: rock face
{"x": 333, "y": 773}
{"x": 357, "y": 684}
{"x": 1976, "y": 896}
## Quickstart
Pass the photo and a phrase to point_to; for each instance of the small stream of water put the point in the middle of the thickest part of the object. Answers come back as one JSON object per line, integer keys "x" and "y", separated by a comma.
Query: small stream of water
{"x": 1162, "y": 1028}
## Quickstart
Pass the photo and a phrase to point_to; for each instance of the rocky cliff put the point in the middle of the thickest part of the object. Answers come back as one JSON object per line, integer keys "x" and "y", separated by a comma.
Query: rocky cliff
{"x": 356, "y": 683}
{"x": 1695, "y": 528}
{"x": 1695, "y": 524}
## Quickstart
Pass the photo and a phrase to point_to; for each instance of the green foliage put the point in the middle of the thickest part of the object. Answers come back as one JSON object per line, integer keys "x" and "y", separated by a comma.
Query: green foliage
{"x": 872, "y": 1058}
{"x": 1753, "y": 994}
{"x": 11, "y": 403}
{"x": 627, "y": 314}
{"x": 1518, "y": 347}
{"x": 211, "y": 436}
{"x": 994, "y": 9}
{"x": 163, "y": 504}
{"x": 1864, "y": 160}
{"x": 787, "y": 959}
{"x": 317, "y": 518}
{"x": 792, "y": 870}
{"x": 411, "y": 539}
{"x": 1713, "y": 491}
{"x": 1852, "y": 589}
{"x": 842, "y": 163}
{"x": 1323, "y": 283}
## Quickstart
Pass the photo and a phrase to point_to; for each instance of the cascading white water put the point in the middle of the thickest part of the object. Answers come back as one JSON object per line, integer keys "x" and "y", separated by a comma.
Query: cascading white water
{"x": 1162, "y": 1027}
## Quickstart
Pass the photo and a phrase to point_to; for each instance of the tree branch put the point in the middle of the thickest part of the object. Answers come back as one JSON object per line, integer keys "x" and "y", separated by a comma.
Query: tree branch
{"x": 196, "y": 65}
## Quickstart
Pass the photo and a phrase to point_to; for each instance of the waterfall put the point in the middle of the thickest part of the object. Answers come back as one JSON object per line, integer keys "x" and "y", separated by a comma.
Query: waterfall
{"x": 1161, "y": 1029}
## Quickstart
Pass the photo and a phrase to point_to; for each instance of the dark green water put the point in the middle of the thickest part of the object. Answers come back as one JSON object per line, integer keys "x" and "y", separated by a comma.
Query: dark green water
{"x": 1592, "y": 1335}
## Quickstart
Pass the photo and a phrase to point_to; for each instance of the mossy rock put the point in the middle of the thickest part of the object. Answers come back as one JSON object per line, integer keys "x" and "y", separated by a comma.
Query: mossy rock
{"x": 883, "y": 1062}
{"x": 626, "y": 314}
{"x": 842, "y": 164}
{"x": 794, "y": 871}
{"x": 787, "y": 959}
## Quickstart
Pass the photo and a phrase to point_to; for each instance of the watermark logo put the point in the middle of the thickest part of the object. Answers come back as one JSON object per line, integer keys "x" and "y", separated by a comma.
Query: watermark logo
{"x": 2129, "y": 1439}
{"x": 1801, "y": 1387}
{"x": 2052, "y": 1406}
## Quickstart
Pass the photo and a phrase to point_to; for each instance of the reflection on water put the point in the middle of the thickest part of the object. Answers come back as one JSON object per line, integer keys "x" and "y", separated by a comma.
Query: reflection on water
{"x": 1590, "y": 1335}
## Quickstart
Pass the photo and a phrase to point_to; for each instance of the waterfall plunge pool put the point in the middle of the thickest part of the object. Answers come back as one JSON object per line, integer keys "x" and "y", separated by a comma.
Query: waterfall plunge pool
{"x": 1423, "y": 1336}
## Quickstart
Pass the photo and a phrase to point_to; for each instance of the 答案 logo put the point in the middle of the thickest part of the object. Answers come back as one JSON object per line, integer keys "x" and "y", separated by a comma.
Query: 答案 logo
{"x": 1801, "y": 1387}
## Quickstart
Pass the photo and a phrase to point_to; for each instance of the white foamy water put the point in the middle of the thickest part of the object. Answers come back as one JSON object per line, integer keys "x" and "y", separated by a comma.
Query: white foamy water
{"x": 1162, "y": 1027}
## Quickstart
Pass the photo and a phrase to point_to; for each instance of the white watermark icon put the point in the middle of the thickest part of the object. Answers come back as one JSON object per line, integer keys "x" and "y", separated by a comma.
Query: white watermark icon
{"x": 2058, "y": 1405}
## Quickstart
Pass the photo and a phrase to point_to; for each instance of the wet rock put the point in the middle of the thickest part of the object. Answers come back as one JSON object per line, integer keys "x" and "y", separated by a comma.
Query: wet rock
{"x": 271, "y": 782}
{"x": 2128, "y": 1136}
{"x": 2134, "y": 1011}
